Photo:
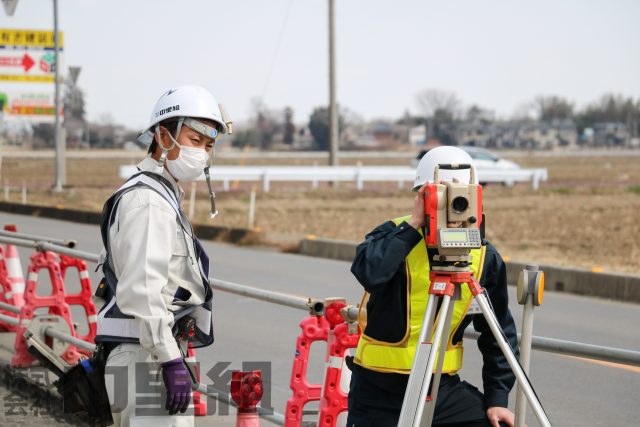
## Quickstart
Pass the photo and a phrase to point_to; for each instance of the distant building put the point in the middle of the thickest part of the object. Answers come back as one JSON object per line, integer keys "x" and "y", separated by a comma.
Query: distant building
{"x": 610, "y": 134}
{"x": 476, "y": 133}
{"x": 417, "y": 135}
{"x": 376, "y": 135}
{"x": 518, "y": 134}
{"x": 548, "y": 135}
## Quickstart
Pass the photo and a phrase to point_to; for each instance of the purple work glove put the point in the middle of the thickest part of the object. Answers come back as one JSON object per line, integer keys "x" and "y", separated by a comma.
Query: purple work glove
{"x": 178, "y": 384}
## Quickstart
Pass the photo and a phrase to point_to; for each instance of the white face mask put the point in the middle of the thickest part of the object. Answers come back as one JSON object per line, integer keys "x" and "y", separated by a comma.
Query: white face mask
{"x": 189, "y": 165}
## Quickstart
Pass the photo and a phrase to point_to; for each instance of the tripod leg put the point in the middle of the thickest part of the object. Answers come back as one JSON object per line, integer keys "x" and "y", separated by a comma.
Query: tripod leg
{"x": 422, "y": 369}
{"x": 427, "y": 416}
{"x": 416, "y": 378}
{"x": 523, "y": 382}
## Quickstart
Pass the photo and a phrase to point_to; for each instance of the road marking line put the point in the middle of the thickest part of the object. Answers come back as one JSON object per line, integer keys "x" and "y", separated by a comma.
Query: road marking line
{"x": 631, "y": 368}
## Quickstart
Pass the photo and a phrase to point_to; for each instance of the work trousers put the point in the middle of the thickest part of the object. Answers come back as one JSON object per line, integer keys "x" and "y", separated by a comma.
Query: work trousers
{"x": 459, "y": 404}
{"x": 136, "y": 390}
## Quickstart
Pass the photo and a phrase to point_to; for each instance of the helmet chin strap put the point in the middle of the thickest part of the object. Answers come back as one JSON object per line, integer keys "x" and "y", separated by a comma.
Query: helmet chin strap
{"x": 212, "y": 195}
{"x": 163, "y": 158}
{"x": 165, "y": 151}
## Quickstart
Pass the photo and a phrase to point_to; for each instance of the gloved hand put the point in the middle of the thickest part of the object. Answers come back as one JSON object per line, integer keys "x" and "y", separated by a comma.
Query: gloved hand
{"x": 178, "y": 383}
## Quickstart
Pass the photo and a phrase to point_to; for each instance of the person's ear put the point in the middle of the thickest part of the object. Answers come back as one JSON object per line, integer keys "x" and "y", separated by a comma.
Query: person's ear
{"x": 165, "y": 140}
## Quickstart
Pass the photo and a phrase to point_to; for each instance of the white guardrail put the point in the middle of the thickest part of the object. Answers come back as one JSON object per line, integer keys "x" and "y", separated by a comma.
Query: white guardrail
{"x": 359, "y": 174}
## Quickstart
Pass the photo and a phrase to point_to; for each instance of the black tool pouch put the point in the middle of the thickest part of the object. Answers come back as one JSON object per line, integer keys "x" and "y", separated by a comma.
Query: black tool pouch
{"x": 83, "y": 389}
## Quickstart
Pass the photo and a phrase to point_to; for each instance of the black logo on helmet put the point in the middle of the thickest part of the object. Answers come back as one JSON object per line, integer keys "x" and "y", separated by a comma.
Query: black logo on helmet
{"x": 167, "y": 110}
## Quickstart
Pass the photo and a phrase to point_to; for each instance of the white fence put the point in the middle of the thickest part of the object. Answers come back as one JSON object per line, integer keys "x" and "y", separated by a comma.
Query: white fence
{"x": 403, "y": 175}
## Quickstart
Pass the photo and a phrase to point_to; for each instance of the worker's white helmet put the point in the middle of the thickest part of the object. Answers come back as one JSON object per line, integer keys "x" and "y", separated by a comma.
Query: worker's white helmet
{"x": 186, "y": 101}
{"x": 443, "y": 155}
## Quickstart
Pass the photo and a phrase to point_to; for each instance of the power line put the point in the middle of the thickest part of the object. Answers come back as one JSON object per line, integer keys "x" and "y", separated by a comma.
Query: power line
{"x": 277, "y": 49}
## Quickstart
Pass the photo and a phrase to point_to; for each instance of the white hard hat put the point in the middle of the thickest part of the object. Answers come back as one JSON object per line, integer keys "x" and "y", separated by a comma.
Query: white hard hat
{"x": 439, "y": 156}
{"x": 185, "y": 101}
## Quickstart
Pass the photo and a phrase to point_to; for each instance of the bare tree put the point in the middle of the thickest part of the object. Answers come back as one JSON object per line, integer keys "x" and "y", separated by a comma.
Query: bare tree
{"x": 433, "y": 102}
{"x": 440, "y": 109}
{"x": 553, "y": 107}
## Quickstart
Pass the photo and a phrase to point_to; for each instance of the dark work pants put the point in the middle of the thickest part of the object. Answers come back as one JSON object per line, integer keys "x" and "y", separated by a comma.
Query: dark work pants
{"x": 459, "y": 404}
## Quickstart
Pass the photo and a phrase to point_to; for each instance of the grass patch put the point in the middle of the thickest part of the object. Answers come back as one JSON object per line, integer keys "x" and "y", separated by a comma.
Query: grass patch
{"x": 634, "y": 189}
{"x": 561, "y": 190}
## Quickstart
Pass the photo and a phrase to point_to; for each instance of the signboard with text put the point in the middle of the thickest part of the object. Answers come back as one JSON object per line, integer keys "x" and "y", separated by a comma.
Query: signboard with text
{"x": 28, "y": 106}
{"x": 28, "y": 55}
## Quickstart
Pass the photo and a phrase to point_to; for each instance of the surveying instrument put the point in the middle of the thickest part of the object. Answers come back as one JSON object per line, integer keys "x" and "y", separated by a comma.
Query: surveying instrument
{"x": 445, "y": 203}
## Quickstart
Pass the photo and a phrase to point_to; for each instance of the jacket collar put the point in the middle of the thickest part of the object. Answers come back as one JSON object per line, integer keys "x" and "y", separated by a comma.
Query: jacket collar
{"x": 150, "y": 165}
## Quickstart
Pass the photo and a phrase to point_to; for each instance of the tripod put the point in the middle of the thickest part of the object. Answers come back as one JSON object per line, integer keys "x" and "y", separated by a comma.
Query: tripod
{"x": 445, "y": 284}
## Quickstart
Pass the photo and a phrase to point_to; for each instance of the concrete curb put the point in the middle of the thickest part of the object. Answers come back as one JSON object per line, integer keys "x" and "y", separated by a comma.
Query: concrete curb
{"x": 211, "y": 232}
{"x": 615, "y": 286}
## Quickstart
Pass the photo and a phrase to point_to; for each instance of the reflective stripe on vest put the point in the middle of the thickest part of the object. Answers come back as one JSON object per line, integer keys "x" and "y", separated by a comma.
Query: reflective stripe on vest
{"x": 398, "y": 357}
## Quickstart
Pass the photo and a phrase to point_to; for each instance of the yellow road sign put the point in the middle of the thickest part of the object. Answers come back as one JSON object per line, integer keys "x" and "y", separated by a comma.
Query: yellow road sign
{"x": 29, "y": 39}
{"x": 26, "y": 78}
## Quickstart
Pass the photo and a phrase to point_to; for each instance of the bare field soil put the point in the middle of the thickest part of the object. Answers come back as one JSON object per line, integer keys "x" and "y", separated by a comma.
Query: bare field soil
{"x": 586, "y": 215}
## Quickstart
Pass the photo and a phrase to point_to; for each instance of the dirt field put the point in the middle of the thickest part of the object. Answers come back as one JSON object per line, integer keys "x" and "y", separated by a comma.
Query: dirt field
{"x": 587, "y": 214}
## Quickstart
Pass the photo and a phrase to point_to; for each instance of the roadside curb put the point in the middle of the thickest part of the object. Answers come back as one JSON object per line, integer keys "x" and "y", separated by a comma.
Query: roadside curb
{"x": 211, "y": 232}
{"x": 615, "y": 286}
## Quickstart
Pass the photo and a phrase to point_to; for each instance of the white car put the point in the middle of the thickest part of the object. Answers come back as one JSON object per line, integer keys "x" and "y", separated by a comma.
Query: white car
{"x": 482, "y": 158}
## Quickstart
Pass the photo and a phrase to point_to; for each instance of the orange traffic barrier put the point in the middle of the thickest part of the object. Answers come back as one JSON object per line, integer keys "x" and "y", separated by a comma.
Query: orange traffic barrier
{"x": 334, "y": 400}
{"x": 199, "y": 403}
{"x": 83, "y": 298}
{"x": 5, "y": 291}
{"x": 314, "y": 328}
{"x": 55, "y": 303}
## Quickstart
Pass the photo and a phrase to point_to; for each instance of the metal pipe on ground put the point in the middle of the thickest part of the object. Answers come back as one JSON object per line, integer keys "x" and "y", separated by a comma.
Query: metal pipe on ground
{"x": 10, "y": 320}
{"x": 590, "y": 351}
{"x": 69, "y": 339}
{"x": 9, "y": 307}
{"x": 61, "y": 242}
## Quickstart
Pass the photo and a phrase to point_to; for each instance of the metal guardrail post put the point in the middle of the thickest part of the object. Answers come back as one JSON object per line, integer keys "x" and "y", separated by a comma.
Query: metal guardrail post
{"x": 530, "y": 292}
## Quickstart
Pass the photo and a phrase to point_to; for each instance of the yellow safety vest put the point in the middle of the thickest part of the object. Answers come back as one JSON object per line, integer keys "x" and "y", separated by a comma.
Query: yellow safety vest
{"x": 398, "y": 356}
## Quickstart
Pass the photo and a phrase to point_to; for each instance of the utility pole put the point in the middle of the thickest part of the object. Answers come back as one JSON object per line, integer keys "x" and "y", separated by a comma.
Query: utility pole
{"x": 333, "y": 111}
{"x": 61, "y": 172}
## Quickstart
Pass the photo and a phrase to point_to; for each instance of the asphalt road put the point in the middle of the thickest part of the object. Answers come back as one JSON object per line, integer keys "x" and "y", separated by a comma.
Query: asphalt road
{"x": 573, "y": 391}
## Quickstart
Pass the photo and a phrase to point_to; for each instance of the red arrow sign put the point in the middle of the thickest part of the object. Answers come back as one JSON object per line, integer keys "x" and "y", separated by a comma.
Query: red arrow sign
{"x": 27, "y": 62}
{"x": 13, "y": 61}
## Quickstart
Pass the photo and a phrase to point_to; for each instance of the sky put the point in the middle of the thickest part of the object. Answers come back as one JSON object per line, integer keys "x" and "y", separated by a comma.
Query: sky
{"x": 498, "y": 54}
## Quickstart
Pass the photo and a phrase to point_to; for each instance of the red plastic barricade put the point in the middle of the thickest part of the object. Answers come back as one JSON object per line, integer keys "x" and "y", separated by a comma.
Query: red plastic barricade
{"x": 3, "y": 267}
{"x": 334, "y": 400}
{"x": 314, "y": 328}
{"x": 5, "y": 290}
{"x": 199, "y": 403}
{"x": 83, "y": 298}
{"x": 55, "y": 302}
